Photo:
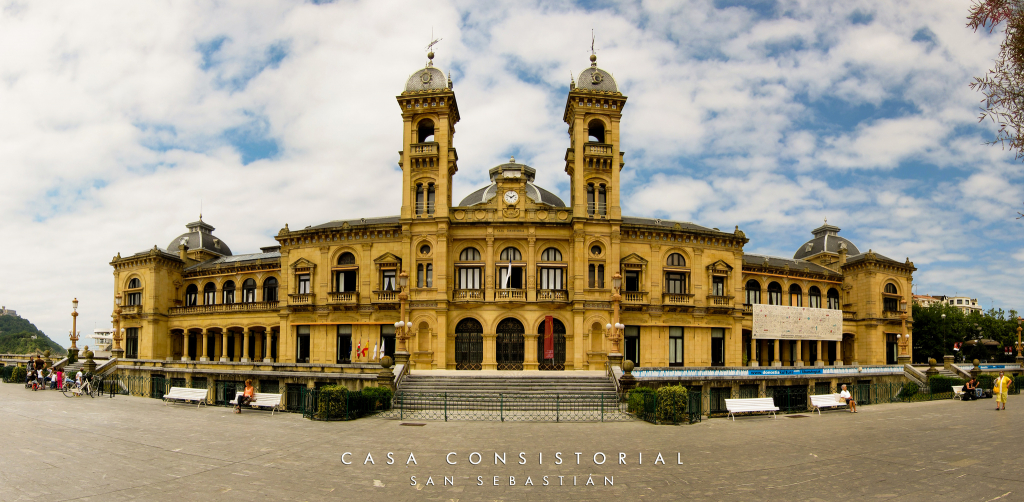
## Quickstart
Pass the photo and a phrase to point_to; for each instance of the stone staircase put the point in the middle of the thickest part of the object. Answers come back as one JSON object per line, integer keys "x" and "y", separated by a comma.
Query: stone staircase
{"x": 515, "y": 392}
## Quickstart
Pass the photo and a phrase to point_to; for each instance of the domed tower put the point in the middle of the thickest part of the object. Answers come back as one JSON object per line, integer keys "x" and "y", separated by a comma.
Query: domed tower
{"x": 428, "y": 159}
{"x": 593, "y": 160}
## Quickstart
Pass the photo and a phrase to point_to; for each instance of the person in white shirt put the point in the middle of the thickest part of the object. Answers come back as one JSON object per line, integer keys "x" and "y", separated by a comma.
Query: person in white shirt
{"x": 78, "y": 378}
{"x": 850, "y": 402}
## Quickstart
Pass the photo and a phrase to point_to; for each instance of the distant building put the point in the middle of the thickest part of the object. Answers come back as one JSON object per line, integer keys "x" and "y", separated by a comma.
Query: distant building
{"x": 965, "y": 304}
{"x": 6, "y": 311}
{"x": 103, "y": 337}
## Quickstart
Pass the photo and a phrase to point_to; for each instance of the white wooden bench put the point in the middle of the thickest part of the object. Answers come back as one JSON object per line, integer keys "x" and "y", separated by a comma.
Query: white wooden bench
{"x": 958, "y": 392}
{"x": 826, "y": 401}
{"x": 750, "y": 405}
{"x": 263, "y": 400}
{"x": 187, "y": 395}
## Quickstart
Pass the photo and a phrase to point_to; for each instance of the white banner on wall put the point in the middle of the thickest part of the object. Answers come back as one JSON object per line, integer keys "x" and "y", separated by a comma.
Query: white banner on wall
{"x": 777, "y": 322}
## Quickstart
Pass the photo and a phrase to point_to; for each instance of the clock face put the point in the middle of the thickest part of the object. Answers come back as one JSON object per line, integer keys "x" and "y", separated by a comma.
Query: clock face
{"x": 511, "y": 197}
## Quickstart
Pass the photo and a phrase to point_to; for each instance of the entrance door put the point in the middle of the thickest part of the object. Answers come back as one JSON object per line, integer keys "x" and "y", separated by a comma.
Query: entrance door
{"x": 558, "y": 362}
{"x": 469, "y": 345}
{"x": 193, "y": 340}
{"x": 631, "y": 340}
{"x": 510, "y": 344}
{"x": 718, "y": 346}
{"x": 891, "y": 348}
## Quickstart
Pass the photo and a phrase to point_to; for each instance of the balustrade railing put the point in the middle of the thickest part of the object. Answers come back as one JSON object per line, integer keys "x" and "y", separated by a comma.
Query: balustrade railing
{"x": 387, "y": 296}
{"x": 719, "y": 300}
{"x": 467, "y": 294}
{"x": 510, "y": 294}
{"x": 638, "y": 297}
{"x": 344, "y": 297}
{"x": 302, "y": 298}
{"x": 423, "y": 149}
{"x": 676, "y": 299}
{"x": 597, "y": 149}
{"x": 224, "y": 307}
{"x": 131, "y": 309}
{"x": 552, "y": 295}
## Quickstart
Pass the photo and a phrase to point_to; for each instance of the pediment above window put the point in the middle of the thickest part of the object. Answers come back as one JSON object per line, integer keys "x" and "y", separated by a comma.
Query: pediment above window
{"x": 302, "y": 264}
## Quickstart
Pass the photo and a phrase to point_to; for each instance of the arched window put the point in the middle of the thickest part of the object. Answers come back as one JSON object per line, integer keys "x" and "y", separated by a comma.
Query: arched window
{"x": 675, "y": 260}
{"x": 597, "y": 199}
{"x": 595, "y": 131}
{"x": 270, "y": 289}
{"x": 133, "y": 297}
{"x": 596, "y": 276}
{"x": 551, "y": 254}
{"x": 510, "y": 254}
{"x": 191, "y": 295}
{"x": 753, "y": 290}
{"x": 796, "y": 296}
{"x": 209, "y": 294}
{"x": 425, "y": 275}
{"x": 814, "y": 297}
{"x": 774, "y": 294}
{"x": 249, "y": 291}
{"x": 833, "y": 298}
{"x": 890, "y": 288}
{"x": 891, "y": 303}
{"x": 229, "y": 293}
{"x": 424, "y": 198}
{"x": 425, "y": 130}
{"x": 469, "y": 276}
{"x": 346, "y": 273}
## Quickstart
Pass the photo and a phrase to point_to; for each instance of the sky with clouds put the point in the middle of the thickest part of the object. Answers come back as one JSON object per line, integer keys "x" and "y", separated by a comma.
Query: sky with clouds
{"x": 121, "y": 118}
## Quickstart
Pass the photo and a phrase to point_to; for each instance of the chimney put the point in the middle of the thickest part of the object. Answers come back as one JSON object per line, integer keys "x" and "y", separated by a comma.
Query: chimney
{"x": 842, "y": 254}
{"x": 182, "y": 249}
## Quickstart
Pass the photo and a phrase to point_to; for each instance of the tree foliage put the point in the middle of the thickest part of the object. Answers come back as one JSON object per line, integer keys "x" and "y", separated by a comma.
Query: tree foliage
{"x": 935, "y": 336}
{"x": 16, "y": 338}
{"x": 1003, "y": 85}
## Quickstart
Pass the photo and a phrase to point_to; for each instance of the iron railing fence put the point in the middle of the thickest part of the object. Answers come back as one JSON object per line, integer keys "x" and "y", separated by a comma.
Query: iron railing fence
{"x": 334, "y": 404}
{"x": 511, "y": 407}
{"x": 649, "y": 408}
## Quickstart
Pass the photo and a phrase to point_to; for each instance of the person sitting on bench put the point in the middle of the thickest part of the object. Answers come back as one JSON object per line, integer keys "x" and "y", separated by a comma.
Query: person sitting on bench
{"x": 850, "y": 402}
{"x": 246, "y": 397}
{"x": 969, "y": 390}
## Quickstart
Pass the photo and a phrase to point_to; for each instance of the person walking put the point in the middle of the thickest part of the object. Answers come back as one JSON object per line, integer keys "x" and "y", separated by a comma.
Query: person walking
{"x": 1001, "y": 388}
{"x": 248, "y": 396}
{"x": 850, "y": 402}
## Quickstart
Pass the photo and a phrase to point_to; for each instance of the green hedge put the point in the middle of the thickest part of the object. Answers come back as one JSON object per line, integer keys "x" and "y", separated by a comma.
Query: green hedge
{"x": 941, "y": 384}
{"x": 641, "y": 400}
{"x": 18, "y": 375}
{"x": 336, "y": 402}
{"x": 986, "y": 381}
{"x": 5, "y": 373}
{"x": 332, "y": 402}
{"x": 908, "y": 391}
{"x": 672, "y": 403}
{"x": 379, "y": 397}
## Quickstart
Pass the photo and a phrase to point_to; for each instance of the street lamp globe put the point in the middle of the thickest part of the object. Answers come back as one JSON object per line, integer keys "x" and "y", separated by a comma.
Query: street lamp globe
{"x": 117, "y": 299}
{"x": 74, "y": 304}
{"x": 608, "y": 326}
{"x": 620, "y": 326}
{"x": 403, "y": 279}
{"x": 616, "y": 280}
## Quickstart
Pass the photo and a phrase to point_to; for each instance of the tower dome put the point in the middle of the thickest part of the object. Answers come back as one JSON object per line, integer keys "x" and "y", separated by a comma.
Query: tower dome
{"x": 596, "y": 79}
{"x": 200, "y": 236}
{"x": 428, "y": 78}
{"x": 826, "y": 240}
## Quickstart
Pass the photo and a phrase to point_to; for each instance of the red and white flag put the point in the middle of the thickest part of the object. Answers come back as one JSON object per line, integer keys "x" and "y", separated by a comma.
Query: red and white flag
{"x": 359, "y": 349}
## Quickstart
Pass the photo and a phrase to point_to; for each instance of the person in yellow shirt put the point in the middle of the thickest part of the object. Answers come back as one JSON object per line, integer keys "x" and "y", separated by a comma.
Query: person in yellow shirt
{"x": 1002, "y": 386}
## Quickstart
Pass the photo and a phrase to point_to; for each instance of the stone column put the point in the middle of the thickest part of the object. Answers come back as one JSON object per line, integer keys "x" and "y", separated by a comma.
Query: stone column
{"x": 532, "y": 358}
{"x": 819, "y": 362}
{"x": 799, "y": 353}
{"x": 184, "y": 346}
{"x": 839, "y": 354}
{"x": 753, "y": 350}
{"x": 202, "y": 346}
{"x": 245, "y": 346}
{"x": 490, "y": 362}
{"x": 777, "y": 361}
{"x": 266, "y": 347}
{"x": 259, "y": 347}
{"x": 224, "y": 346}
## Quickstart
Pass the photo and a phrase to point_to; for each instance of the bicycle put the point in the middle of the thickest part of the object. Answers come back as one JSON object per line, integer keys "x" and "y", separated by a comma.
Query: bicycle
{"x": 72, "y": 389}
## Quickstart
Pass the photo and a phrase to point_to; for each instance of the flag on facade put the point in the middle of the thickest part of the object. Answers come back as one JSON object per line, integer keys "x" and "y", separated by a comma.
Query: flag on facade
{"x": 359, "y": 349}
{"x": 382, "y": 342}
{"x": 375, "y": 351}
{"x": 508, "y": 274}
{"x": 366, "y": 349}
{"x": 549, "y": 337}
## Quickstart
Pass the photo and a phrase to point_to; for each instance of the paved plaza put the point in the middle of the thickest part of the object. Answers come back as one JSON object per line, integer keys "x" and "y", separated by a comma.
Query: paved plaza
{"x": 129, "y": 448}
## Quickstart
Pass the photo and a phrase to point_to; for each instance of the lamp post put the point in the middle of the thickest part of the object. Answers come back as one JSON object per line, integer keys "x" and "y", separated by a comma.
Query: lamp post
{"x": 1020, "y": 357}
{"x": 402, "y": 327}
{"x": 73, "y": 351}
{"x": 117, "y": 351}
{"x": 615, "y": 327}
{"x": 904, "y": 337}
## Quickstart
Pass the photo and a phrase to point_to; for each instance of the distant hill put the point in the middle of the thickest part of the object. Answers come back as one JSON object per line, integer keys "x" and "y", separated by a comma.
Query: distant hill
{"x": 16, "y": 338}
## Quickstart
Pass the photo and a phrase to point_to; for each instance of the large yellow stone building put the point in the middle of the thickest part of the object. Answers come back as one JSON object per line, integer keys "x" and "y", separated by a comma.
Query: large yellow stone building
{"x": 484, "y": 274}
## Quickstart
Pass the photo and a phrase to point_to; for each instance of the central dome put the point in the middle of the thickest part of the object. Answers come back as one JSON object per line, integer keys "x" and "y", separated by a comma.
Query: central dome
{"x": 427, "y": 79}
{"x": 596, "y": 79}
{"x": 511, "y": 169}
{"x": 200, "y": 236}
{"x": 826, "y": 240}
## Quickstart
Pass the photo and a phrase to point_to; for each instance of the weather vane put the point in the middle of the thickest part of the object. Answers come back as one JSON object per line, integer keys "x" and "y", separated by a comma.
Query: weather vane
{"x": 430, "y": 48}
{"x": 592, "y": 50}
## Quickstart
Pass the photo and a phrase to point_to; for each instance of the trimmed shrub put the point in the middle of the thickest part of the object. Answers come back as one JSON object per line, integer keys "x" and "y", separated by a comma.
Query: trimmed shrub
{"x": 986, "y": 381}
{"x": 941, "y": 384}
{"x": 332, "y": 402}
{"x": 379, "y": 398}
{"x": 672, "y": 403}
{"x": 641, "y": 400}
{"x": 5, "y": 373}
{"x": 18, "y": 375}
{"x": 908, "y": 391}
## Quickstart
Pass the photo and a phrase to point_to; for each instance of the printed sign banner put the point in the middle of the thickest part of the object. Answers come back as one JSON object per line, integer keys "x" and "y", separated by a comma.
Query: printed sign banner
{"x": 777, "y": 322}
{"x": 549, "y": 338}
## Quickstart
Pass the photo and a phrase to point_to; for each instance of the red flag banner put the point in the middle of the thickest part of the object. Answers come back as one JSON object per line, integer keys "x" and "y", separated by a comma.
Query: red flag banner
{"x": 549, "y": 338}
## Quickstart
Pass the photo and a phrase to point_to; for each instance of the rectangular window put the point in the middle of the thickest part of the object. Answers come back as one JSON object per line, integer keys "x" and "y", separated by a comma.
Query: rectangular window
{"x": 632, "y": 280}
{"x": 430, "y": 199}
{"x": 430, "y": 275}
{"x": 718, "y": 346}
{"x": 134, "y": 299}
{"x": 344, "y": 344}
{"x": 345, "y": 281}
{"x": 303, "y": 284}
{"x": 515, "y": 281}
{"x": 958, "y": 302}
{"x": 590, "y": 200}
{"x": 675, "y": 283}
{"x": 387, "y": 280}
{"x": 833, "y": 302}
{"x": 675, "y": 346}
{"x": 419, "y": 276}
{"x": 774, "y": 297}
{"x": 419, "y": 199}
{"x": 131, "y": 343}
{"x": 602, "y": 200}
{"x": 631, "y": 341}
{"x": 592, "y": 271}
{"x": 469, "y": 278}
{"x": 229, "y": 296}
{"x": 191, "y": 299}
{"x": 387, "y": 340}
{"x": 249, "y": 295}
{"x": 796, "y": 300}
{"x": 890, "y": 304}
{"x": 600, "y": 276}
{"x": 814, "y": 301}
{"x": 302, "y": 344}
{"x": 551, "y": 278}
{"x": 753, "y": 296}
{"x": 718, "y": 286}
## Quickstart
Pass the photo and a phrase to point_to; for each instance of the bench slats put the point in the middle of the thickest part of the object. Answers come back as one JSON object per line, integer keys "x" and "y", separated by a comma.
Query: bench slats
{"x": 762, "y": 404}
{"x": 263, "y": 400}
{"x": 187, "y": 395}
{"x": 826, "y": 401}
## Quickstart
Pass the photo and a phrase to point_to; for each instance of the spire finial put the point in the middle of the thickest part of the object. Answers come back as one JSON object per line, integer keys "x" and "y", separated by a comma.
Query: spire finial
{"x": 512, "y": 159}
{"x": 826, "y": 220}
{"x": 430, "y": 48}
{"x": 593, "y": 51}
{"x": 572, "y": 82}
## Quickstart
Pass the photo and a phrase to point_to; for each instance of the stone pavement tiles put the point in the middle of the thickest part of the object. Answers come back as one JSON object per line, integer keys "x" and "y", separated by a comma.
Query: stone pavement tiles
{"x": 130, "y": 448}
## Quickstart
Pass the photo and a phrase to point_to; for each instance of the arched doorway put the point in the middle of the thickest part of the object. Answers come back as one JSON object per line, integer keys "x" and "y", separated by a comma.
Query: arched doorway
{"x": 510, "y": 344}
{"x": 558, "y": 362}
{"x": 469, "y": 345}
